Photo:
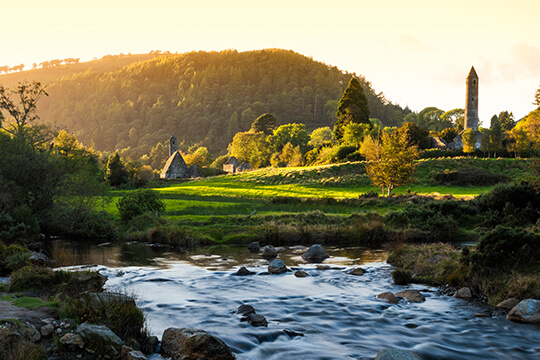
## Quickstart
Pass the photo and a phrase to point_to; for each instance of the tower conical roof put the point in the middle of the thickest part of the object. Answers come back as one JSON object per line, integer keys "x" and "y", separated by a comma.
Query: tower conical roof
{"x": 472, "y": 73}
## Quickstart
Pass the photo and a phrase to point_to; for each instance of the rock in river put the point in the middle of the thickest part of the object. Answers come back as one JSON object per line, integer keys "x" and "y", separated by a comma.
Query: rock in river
{"x": 315, "y": 254}
{"x": 269, "y": 252}
{"x": 463, "y": 293}
{"x": 277, "y": 267}
{"x": 527, "y": 311}
{"x": 254, "y": 247}
{"x": 411, "y": 295}
{"x": 388, "y": 297}
{"x": 192, "y": 344}
{"x": 243, "y": 271}
{"x": 508, "y": 304}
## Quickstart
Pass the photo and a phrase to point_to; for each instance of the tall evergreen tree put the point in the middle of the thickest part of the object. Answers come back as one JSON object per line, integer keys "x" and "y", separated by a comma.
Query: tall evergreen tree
{"x": 265, "y": 123}
{"x": 506, "y": 119}
{"x": 353, "y": 107}
{"x": 496, "y": 135}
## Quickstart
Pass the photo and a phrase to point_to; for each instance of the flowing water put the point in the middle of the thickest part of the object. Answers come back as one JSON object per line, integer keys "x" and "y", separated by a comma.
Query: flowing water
{"x": 328, "y": 315}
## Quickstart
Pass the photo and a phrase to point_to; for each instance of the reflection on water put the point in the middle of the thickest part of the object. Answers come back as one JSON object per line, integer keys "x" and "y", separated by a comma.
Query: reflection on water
{"x": 68, "y": 252}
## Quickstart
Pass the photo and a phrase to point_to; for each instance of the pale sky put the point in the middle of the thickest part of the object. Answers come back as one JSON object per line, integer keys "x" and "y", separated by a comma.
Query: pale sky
{"x": 417, "y": 52}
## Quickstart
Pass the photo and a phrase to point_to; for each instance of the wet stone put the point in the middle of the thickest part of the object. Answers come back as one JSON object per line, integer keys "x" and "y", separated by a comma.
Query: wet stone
{"x": 387, "y": 297}
{"x": 315, "y": 254}
{"x": 357, "y": 271}
{"x": 243, "y": 271}
{"x": 245, "y": 309}
{"x": 413, "y": 296}
{"x": 269, "y": 252}
{"x": 256, "y": 320}
{"x": 301, "y": 274}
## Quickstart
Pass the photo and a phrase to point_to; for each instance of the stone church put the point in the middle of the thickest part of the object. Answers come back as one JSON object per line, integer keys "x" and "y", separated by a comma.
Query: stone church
{"x": 176, "y": 167}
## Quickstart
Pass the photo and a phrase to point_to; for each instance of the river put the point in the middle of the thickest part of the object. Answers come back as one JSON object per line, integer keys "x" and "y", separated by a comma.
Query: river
{"x": 328, "y": 315}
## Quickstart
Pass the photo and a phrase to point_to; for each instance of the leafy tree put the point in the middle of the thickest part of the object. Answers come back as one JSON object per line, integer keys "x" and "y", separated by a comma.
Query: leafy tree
{"x": 139, "y": 202}
{"x": 265, "y": 123}
{"x": 485, "y": 141}
{"x": 449, "y": 134}
{"x": 200, "y": 157}
{"x": 321, "y": 136}
{"x": 395, "y": 165}
{"x": 291, "y": 155}
{"x": 456, "y": 117}
{"x": 496, "y": 135}
{"x": 250, "y": 147}
{"x": 352, "y": 108}
{"x": 116, "y": 173}
{"x": 415, "y": 135}
{"x": 469, "y": 141}
{"x": 296, "y": 134}
{"x": 518, "y": 141}
{"x": 531, "y": 124}
{"x": 506, "y": 119}
{"x": 23, "y": 110}
{"x": 354, "y": 134}
{"x": 371, "y": 148}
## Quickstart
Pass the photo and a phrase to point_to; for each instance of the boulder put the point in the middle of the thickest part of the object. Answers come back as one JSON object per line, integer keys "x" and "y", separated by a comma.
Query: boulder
{"x": 357, "y": 271}
{"x": 99, "y": 331}
{"x": 72, "y": 339}
{"x": 192, "y": 344}
{"x": 527, "y": 311}
{"x": 243, "y": 271}
{"x": 254, "y": 247}
{"x": 31, "y": 332}
{"x": 277, "y": 267}
{"x": 315, "y": 254}
{"x": 256, "y": 320}
{"x": 245, "y": 310}
{"x": 128, "y": 353}
{"x": 463, "y": 293}
{"x": 413, "y": 296}
{"x": 301, "y": 274}
{"x": 46, "y": 330}
{"x": 508, "y": 304}
{"x": 269, "y": 252}
{"x": 387, "y": 297}
{"x": 396, "y": 354}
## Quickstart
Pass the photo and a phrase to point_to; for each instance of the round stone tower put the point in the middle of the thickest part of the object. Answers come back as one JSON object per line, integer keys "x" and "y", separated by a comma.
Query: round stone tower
{"x": 471, "y": 104}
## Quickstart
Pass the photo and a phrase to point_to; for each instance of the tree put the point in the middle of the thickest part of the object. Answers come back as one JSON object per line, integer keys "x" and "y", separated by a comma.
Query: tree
{"x": 415, "y": 135}
{"x": 485, "y": 140}
{"x": 395, "y": 165}
{"x": 496, "y": 135}
{"x": 200, "y": 157}
{"x": 296, "y": 134}
{"x": 354, "y": 134}
{"x": 449, "y": 134}
{"x": 139, "y": 202}
{"x": 23, "y": 109}
{"x": 353, "y": 107}
{"x": 116, "y": 173}
{"x": 506, "y": 120}
{"x": 250, "y": 147}
{"x": 265, "y": 123}
{"x": 456, "y": 117}
{"x": 518, "y": 141}
{"x": 321, "y": 136}
{"x": 469, "y": 141}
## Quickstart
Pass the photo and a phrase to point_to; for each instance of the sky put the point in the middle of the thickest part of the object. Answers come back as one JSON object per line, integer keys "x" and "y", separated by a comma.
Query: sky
{"x": 417, "y": 52}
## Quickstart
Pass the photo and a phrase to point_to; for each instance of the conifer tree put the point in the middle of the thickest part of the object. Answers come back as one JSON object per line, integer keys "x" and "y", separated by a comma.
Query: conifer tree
{"x": 496, "y": 135}
{"x": 353, "y": 107}
{"x": 265, "y": 123}
{"x": 469, "y": 141}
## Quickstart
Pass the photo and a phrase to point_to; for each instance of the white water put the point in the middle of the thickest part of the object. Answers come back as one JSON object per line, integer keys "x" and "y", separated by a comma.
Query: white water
{"x": 337, "y": 312}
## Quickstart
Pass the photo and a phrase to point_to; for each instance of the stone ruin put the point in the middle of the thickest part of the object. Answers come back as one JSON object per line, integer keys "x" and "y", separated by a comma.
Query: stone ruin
{"x": 233, "y": 166}
{"x": 176, "y": 167}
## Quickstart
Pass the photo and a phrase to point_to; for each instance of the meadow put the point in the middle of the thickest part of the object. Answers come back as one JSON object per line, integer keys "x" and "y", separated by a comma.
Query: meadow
{"x": 248, "y": 206}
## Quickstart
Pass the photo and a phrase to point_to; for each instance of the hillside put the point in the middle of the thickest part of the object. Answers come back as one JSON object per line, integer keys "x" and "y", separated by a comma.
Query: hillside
{"x": 202, "y": 97}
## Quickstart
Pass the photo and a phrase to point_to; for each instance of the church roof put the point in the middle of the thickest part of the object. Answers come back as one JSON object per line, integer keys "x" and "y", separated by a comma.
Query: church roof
{"x": 472, "y": 73}
{"x": 174, "y": 167}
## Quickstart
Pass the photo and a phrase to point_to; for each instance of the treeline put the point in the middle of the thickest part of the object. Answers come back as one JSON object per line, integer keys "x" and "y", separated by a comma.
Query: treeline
{"x": 204, "y": 98}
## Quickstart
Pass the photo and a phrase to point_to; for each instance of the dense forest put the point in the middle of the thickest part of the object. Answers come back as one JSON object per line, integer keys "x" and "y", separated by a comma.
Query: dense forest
{"x": 205, "y": 98}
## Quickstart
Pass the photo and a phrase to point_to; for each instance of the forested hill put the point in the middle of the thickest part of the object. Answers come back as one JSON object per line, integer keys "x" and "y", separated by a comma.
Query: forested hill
{"x": 201, "y": 97}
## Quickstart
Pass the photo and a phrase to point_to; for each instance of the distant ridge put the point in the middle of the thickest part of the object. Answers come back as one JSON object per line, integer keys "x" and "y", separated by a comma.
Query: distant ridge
{"x": 134, "y": 102}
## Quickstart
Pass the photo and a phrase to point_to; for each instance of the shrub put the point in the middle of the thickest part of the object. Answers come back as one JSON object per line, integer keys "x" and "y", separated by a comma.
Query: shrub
{"x": 401, "y": 277}
{"x": 12, "y": 231}
{"x": 81, "y": 222}
{"x": 343, "y": 151}
{"x": 13, "y": 257}
{"x": 505, "y": 248}
{"x": 519, "y": 195}
{"x": 117, "y": 311}
{"x": 138, "y": 202}
{"x": 470, "y": 177}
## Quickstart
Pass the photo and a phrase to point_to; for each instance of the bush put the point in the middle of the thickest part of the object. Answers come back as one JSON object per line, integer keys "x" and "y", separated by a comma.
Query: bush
{"x": 13, "y": 257}
{"x": 505, "y": 248}
{"x": 117, "y": 311}
{"x": 138, "y": 202}
{"x": 343, "y": 151}
{"x": 81, "y": 222}
{"x": 12, "y": 231}
{"x": 470, "y": 177}
{"x": 519, "y": 195}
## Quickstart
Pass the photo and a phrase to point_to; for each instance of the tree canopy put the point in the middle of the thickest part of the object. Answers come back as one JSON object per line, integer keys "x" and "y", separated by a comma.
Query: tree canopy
{"x": 352, "y": 108}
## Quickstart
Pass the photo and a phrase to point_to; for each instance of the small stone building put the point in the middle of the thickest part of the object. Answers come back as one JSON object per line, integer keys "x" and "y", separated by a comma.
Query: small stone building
{"x": 176, "y": 167}
{"x": 231, "y": 165}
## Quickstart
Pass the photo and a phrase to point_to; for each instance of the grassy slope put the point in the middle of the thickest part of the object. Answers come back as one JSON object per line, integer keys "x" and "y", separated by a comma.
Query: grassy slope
{"x": 241, "y": 194}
